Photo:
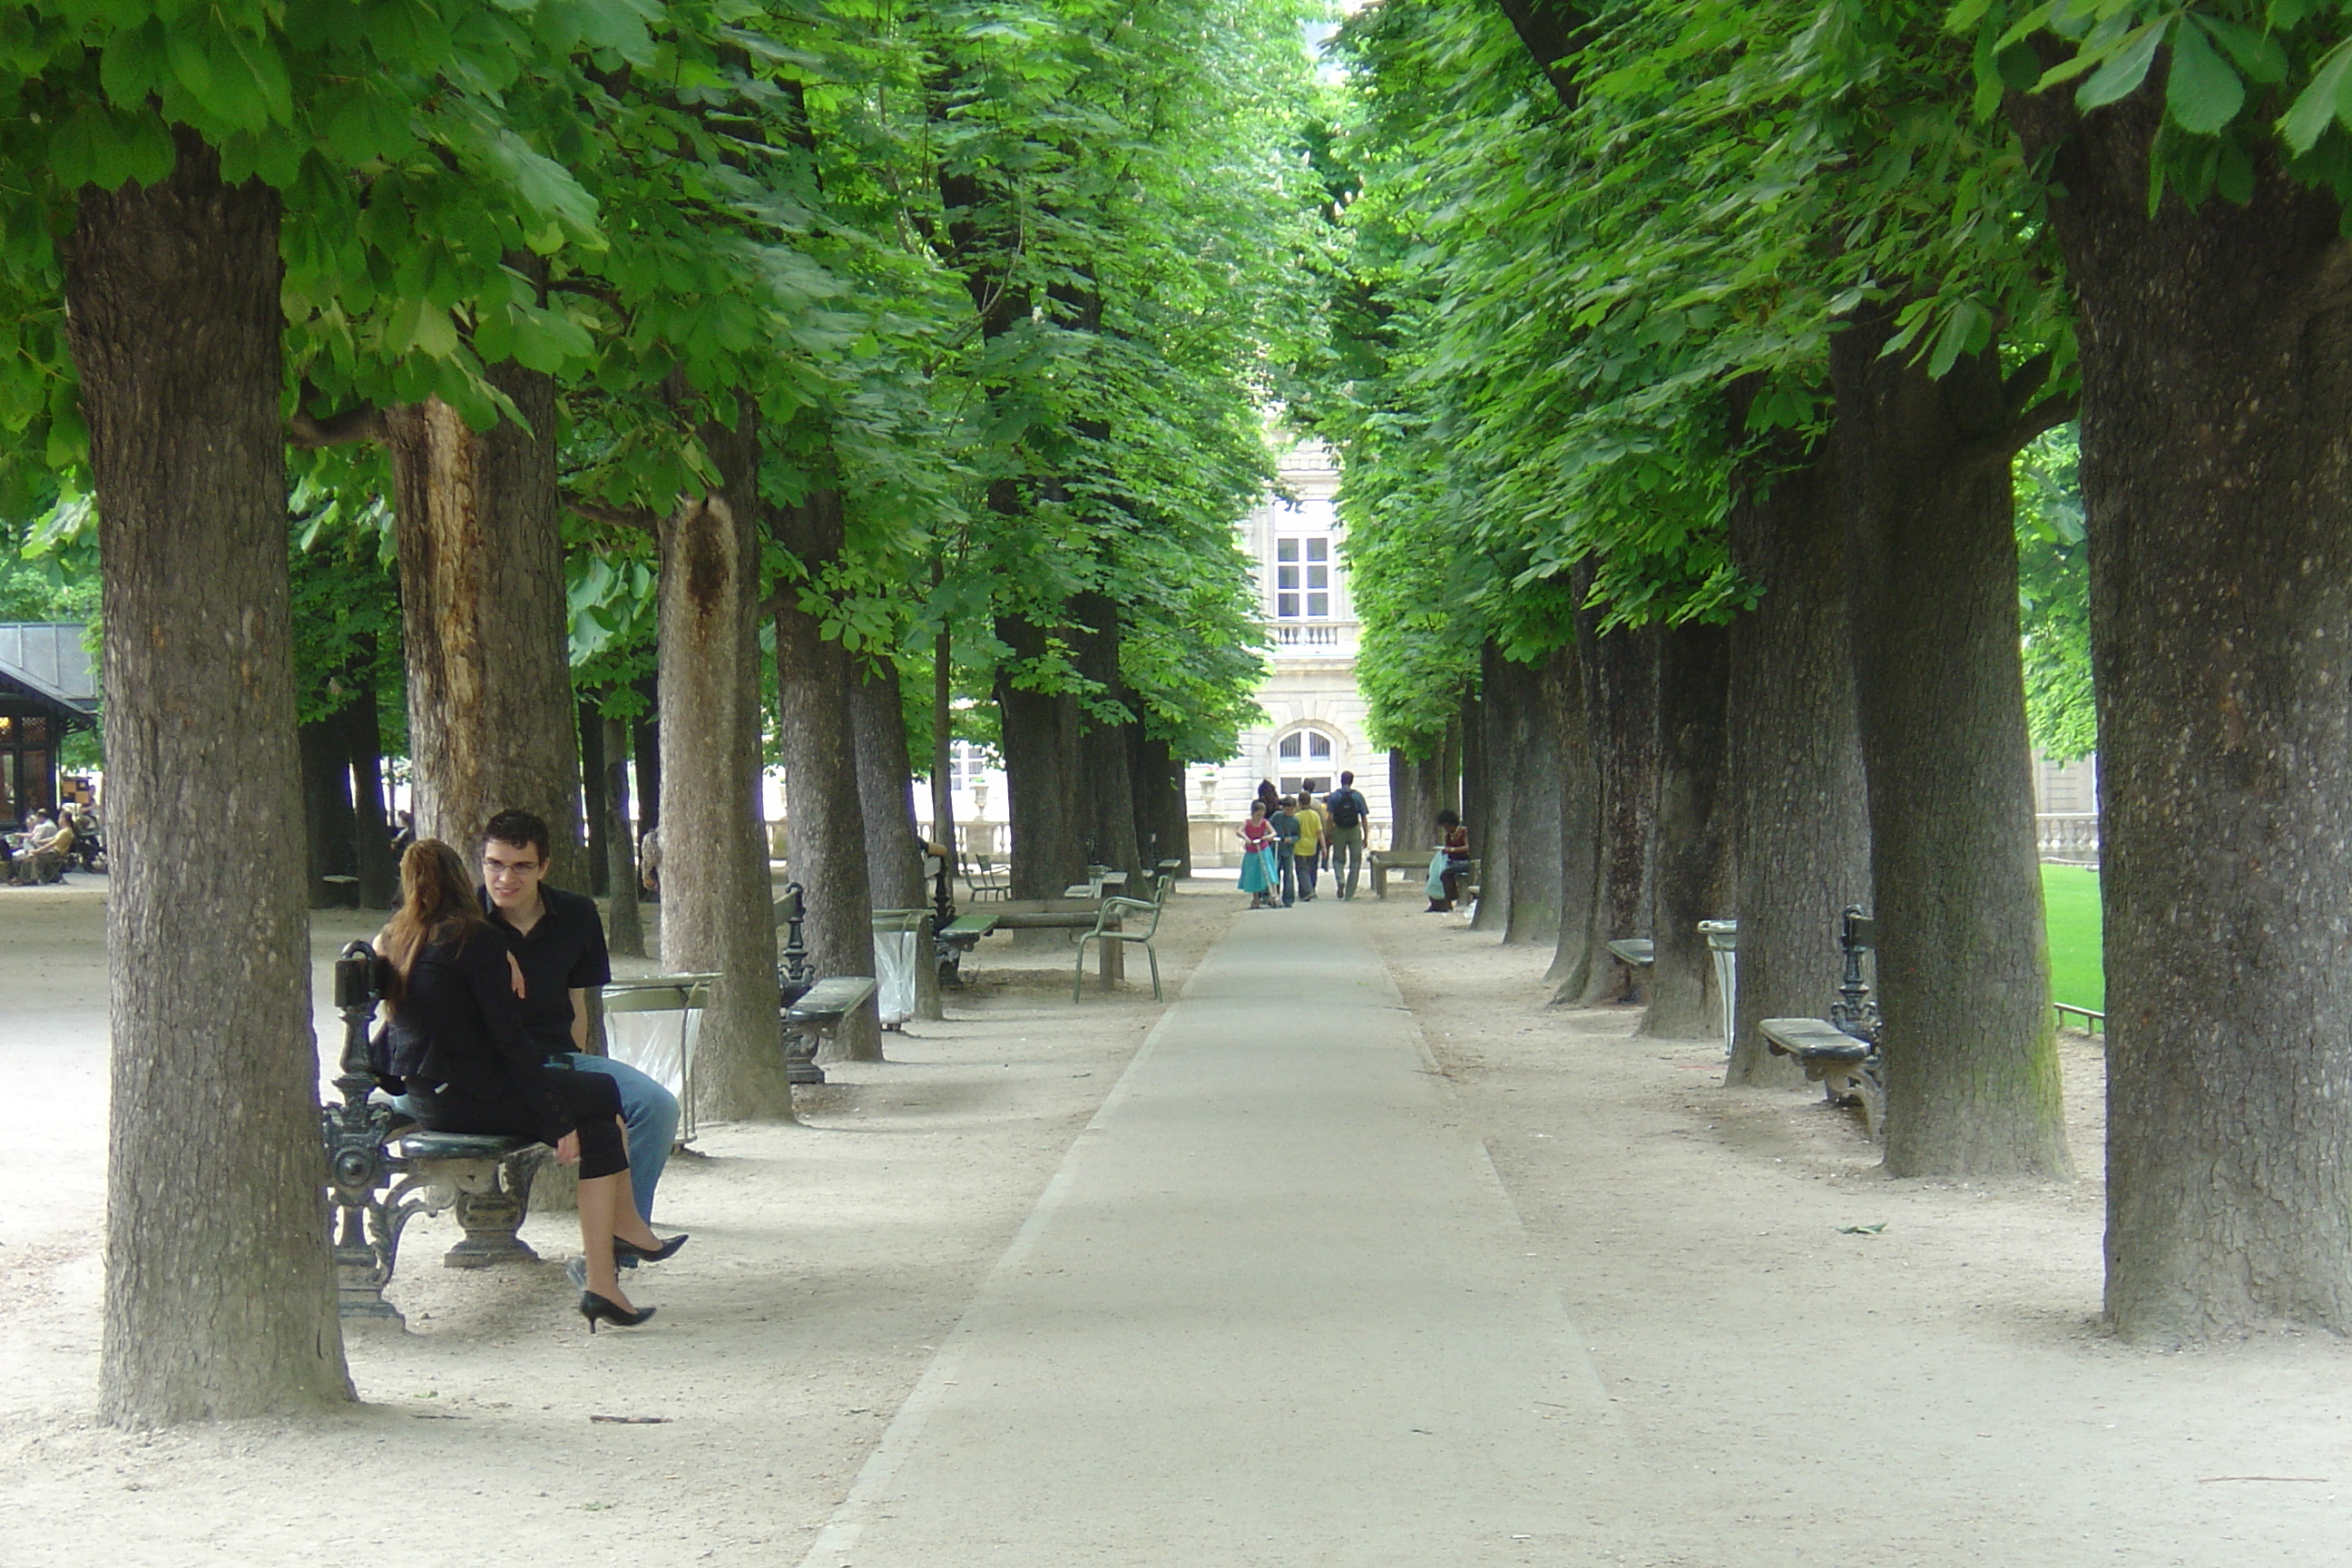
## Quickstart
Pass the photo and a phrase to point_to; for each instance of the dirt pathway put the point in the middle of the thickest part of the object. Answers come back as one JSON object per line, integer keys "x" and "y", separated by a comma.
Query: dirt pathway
{"x": 1803, "y": 1361}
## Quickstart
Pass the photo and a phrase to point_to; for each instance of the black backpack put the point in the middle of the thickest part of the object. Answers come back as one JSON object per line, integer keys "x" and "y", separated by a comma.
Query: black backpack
{"x": 1347, "y": 807}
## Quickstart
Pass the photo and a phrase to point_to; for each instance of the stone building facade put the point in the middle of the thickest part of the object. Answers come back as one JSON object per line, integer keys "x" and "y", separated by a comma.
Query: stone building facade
{"x": 1315, "y": 723}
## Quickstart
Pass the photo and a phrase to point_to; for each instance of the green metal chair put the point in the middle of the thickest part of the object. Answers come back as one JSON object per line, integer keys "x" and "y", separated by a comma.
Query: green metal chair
{"x": 1105, "y": 931}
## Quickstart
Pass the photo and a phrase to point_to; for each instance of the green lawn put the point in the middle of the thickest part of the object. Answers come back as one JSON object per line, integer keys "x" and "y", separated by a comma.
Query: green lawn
{"x": 2070, "y": 895}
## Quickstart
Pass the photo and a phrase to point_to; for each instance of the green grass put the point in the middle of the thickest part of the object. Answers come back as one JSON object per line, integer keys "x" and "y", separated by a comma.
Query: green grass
{"x": 2070, "y": 898}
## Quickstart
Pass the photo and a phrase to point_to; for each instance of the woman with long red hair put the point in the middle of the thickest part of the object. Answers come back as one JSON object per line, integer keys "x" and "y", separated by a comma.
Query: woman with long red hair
{"x": 458, "y": 1042}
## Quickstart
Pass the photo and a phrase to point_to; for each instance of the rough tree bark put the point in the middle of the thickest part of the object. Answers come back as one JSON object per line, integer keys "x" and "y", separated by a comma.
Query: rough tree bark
{"x": 1801, "y": 836}
{"x": 2215, "y": 346}
{"x": 593, "y": 814}
{"x": 483, "y": 620}
{"x": 1411, "y": 793}
{"x": 1694, "y": 856}
{"x": 220, "y": 1302}
{"x": 825, "y": 823}
{"x": 1621, "y": 715}
{"x": 1163, "y": 822}
{"x": 1104, "y": 787}
{"x": 1971, "y": 1051}
{"x": 1044, "y": 808}
{"x": 646, "y": 740}
{"x": 1495, "y": 815}
{"x": 1579, "y": 841}
{"x": 624, "y": 928}
{"x": 1547, "y": 709}
{"x": 330, "y": 824}
{"x": 716, "y": 910}
{"x": 943, "y": 822}
{"x": 885, "y": 803}
{"x": 379, "y": 867}
{"x": 1473, "y": 809}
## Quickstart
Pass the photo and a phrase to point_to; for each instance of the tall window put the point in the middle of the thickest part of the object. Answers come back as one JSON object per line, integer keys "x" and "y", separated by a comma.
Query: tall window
{"x": 1302, "y": 579}
{"x": 1312, "y": 745}
{"x": 966, "y": 762}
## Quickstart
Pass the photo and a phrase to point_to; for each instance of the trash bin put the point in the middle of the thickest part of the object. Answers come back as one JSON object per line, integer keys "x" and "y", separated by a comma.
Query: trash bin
{"x": 898, "y": 948}
{"x": 1722, "y": 946}
{"x": 651, "y": 1023}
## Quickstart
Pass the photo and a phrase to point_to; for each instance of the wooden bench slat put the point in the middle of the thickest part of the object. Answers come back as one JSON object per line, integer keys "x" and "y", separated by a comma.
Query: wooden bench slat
{"x": 1637, "y": 951}
{"x": 831, "y": 1000}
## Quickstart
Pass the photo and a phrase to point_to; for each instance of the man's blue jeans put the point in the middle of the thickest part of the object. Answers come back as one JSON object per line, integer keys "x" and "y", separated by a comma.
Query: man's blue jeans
{"x": 650, "y": 1113}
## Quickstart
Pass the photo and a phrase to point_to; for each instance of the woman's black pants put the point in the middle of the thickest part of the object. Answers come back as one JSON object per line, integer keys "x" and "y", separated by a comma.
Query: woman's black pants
{"x": 594, "y": 1101}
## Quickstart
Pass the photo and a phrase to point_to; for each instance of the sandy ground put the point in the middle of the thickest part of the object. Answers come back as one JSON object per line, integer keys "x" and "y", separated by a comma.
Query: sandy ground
{"x": 1811, "y": 1363}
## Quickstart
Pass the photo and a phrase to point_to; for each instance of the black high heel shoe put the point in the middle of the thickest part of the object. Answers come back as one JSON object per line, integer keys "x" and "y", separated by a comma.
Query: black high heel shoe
{"x": 592, "y": 1307}
{"x": 623, "y": 1248}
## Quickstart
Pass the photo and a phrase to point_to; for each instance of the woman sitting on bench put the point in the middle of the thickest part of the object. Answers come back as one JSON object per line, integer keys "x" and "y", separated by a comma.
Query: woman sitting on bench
{"x": 457, "y": 1038}
{"x": 1453, "y": 862}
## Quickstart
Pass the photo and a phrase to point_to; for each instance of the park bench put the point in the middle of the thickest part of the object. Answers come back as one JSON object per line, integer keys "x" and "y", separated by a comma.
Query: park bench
{"x": 819, "y": 1012}
{"x": 953, "y": 934}
{"x": 809, "y": 1011}
{"x": 956, "y": 939}
{"x": 1841, "y": 1052}
{"x": 383, "y": 1170}
{"x": 1108, "y": 930}
{"x": 1075, "y": 916}
{"x": 1637, "y": 953}
{"x": 1404, "y": 862}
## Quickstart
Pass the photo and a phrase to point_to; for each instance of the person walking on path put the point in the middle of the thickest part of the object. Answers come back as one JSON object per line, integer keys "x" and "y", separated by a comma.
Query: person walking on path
{"x": 558, "y": 939}
{"x": 1307, "y": 852}
{"x": 1286, "y": 844}
{"x": 1258, "y": 858}
{"x": 1349, "y": 810}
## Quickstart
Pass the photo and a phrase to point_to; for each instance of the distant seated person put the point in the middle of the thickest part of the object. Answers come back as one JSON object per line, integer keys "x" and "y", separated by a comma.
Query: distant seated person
{"x": 46, "y": 848}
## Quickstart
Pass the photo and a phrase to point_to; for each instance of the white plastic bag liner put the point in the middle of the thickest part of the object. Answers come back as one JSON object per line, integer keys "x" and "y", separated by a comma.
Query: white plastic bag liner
{"x": 652, "y": 1024}
{"x": 894, "y": 963}
{"x": 658, "y": 1045}
{"x": 1436, "y": 886}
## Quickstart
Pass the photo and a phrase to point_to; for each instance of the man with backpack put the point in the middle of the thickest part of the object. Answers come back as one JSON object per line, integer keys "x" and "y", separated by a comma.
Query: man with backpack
{"x": 1345, "y": 812}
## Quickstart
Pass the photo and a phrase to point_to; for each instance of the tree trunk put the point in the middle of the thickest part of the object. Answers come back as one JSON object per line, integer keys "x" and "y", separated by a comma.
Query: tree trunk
{"x": 1693, "y": 858}
{"x": 378, "y": 868}
{"x": 1163, "y": 822}
{"x": 220, "y": 1300}
{"x": 1621, "y": 704}
{"x": 1048, "y": 821}
{"x": 646, "y": 741}
{"x": 593, "y": 785}
{"x": 2215, "y": 397}
{"x": 1970, "y": 1049}
{"x": 1472, "y": 810}
{"x": 624, "y": 929}
{"x": 885, "y": 802}
{"x": 943, "y": 822}
{"x": 329, "y": 822}
{"x": 1409, "y": 793}
{"x": 1802, "y": 840}
{"x": 1547, "y": 708}
{"x": 1580, "y": 841}
{"x": 483, "y": 620}
{"x": 885, "y": 793}
{"x": 1495, "y": 813}
{"x": 826, "y": 824}
{"x": 1104, "y": 788}
{"x": 717, "y": 916}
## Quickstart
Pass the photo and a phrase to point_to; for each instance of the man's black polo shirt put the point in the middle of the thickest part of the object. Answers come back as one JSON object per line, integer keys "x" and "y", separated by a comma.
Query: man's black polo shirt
{"x": 564, "y": 952}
